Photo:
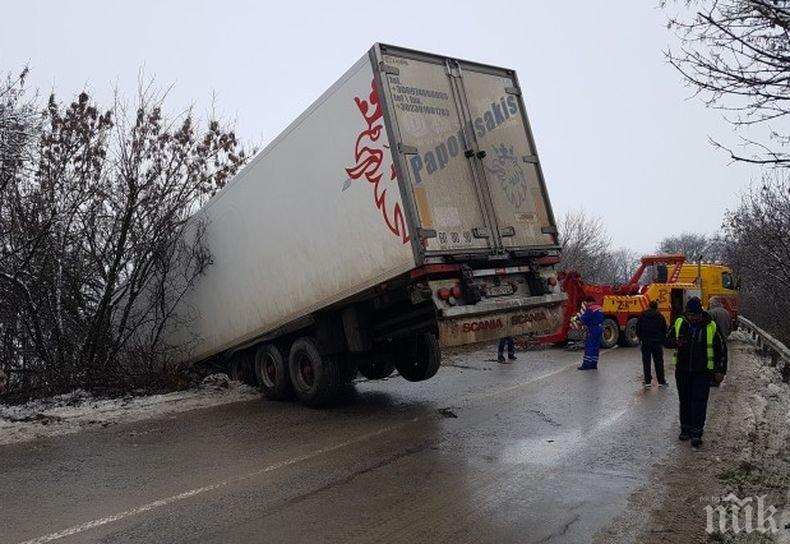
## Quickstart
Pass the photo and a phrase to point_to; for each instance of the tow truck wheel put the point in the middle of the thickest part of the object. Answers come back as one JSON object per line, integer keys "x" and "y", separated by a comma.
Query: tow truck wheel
{"x": 315, "y": 377}
{"x": 629, "y": 338}
{"x": 271, "y": 372}
{"x": 611, "y": 333}
{"x": 418, "y": 358}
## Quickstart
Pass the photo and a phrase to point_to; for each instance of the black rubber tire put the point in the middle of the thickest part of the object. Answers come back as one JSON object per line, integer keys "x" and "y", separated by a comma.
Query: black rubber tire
{"x": 240, "y": 368}
{"x": 611, "y": 333}
{"x": 318, "y": 386}
{"x": 378, "y": 367}
{"x": 418, "y": 358}
{"x": 271, "y": 372}
{"x": 628, "y": 337}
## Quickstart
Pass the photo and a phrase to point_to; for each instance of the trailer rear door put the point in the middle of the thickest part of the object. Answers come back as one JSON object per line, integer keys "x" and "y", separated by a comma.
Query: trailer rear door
{"x": 467, "y": 150}
{"x": 508, "y": 157}
{"x": 446, "y": 191}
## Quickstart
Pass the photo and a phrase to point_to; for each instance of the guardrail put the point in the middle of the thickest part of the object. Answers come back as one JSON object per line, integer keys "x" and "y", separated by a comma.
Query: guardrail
{"x": 768, "y": 346}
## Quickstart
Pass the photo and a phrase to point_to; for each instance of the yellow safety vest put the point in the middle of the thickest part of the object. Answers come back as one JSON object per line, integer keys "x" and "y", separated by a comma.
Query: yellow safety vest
{"x": 710, "y": 333}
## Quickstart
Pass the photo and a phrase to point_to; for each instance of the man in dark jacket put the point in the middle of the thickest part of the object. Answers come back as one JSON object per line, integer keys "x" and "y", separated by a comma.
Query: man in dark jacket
{"x": 723, "y": 321}
{"x": 699, "y": 358}
{"x": 652, "y": 330}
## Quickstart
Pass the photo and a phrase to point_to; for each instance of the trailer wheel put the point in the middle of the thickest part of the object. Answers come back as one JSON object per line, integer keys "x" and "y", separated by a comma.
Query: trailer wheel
{"x": 240, "y": 368}
{"x": 348, "y": 369}
{"x": 272, "y": 373}
{"x": 418, "y": 358}
{"x": 378, "y": 367}
{"x": 629, "y": 338}
{"x": 611, "y": 333}
{"x": 315, "y": 377}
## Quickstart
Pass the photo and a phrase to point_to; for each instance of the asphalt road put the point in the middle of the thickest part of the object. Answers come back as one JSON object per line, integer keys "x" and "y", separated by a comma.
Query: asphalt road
{"x": 530, "y": 452}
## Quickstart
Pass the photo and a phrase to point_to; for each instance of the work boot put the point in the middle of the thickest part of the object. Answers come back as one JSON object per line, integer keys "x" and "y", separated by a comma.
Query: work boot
{"x": 501, "y": 359}
{"x": 584, "y": 368}
{"x": 512, "y": 356}
{"x": 648, "y": 385}
{"x": 663, "y": 385}
{"x": 683, "y": 436}
{"x": 696, "y": 442}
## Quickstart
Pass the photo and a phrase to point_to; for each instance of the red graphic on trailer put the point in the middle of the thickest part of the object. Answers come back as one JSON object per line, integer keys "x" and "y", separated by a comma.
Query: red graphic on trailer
{"x": 374, "y": 163}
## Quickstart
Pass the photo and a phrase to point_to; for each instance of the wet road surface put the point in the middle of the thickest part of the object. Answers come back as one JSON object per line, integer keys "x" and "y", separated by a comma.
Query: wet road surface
{"x": 530, "y": 452}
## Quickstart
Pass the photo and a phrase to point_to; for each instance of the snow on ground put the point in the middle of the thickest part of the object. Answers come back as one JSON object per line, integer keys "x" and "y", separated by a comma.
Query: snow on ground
{"x": 76, "y": 411}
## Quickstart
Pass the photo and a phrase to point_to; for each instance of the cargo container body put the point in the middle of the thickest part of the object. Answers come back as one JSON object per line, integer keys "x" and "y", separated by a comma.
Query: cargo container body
{"x": 404, "y": 211}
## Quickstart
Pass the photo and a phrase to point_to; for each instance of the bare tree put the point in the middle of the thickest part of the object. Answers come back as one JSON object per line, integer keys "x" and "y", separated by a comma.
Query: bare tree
{"x": 19, "y": 126}
{"x": 734, "y": 54}
{"x": 98, "y": 257}
{"x": 587, "y": 249}
{"x": 694, "y": 246}
{"x": 618, "y": 266}
{"x": 758, "y": 247}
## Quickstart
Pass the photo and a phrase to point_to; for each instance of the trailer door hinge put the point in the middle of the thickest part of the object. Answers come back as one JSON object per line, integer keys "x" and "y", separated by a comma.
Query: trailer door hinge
{"x": 530, "y": 159}
{"x": 389, "y": 69}
{"x": 548, "y": 230}
{"x": 480, "y": 232}
{"x": 513, "y": 90}
{"x": 407, "y": 149}
{"x": 507, "y": 231}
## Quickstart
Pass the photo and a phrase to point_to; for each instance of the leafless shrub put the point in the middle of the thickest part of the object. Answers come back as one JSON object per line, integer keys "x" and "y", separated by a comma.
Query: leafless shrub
{"x": 94, "y": 255}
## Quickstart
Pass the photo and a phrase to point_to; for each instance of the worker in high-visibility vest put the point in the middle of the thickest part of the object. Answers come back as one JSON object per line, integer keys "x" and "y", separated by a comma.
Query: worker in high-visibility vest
{"x": 699, "y": 358}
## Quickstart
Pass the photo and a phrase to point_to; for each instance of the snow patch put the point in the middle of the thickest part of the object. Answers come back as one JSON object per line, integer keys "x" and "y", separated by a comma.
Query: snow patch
{"x": 774, "y": 390}
{"x": 759, "y": 404}
{"x": 78, "y": 410}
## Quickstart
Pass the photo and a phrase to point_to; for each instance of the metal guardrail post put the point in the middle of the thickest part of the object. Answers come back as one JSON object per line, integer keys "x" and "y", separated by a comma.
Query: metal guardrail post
{"x": 768, "y": 346}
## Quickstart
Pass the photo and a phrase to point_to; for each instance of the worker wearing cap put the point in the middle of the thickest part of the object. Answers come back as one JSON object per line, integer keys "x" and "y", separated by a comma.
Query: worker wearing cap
{"x": 699, "y": 358}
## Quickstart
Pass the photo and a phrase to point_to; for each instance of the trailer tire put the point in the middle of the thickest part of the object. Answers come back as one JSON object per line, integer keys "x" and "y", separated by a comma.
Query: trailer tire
{"x": 610, "y": 334}
{"x": 272, "y": 373}
{"x": 240, "y": 368}
{"x": 378, "y": 367}
{"x": 418, "y": 358}
{"x": 348, "y": 370}
{"x": 628, "y": 337}
{"x": 315, "y": 377}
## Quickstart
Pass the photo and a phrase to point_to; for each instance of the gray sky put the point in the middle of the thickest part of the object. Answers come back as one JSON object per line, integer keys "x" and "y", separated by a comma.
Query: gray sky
{"x": 616, "y": 132}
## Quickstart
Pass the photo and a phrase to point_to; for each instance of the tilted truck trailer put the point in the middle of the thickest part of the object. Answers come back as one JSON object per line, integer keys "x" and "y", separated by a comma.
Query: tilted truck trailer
{"x": 403, "y": 212}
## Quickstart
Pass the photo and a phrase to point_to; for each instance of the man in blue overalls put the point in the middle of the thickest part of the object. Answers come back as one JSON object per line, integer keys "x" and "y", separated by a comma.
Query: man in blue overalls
{"x": 592, "y": 317}
{"x": 699, "y": 358}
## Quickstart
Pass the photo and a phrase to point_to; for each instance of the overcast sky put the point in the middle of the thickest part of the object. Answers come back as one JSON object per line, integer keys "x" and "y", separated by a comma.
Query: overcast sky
{"x": 617, "y": 133}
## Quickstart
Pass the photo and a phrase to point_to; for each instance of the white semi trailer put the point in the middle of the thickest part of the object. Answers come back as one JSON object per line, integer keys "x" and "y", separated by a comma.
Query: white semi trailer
{"x": 403, "y": 212}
